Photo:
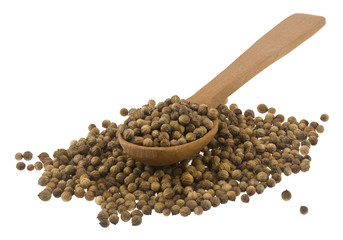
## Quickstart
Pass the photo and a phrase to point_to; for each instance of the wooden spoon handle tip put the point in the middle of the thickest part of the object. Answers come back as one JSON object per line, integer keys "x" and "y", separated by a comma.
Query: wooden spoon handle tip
{"x": 275, "y": 44}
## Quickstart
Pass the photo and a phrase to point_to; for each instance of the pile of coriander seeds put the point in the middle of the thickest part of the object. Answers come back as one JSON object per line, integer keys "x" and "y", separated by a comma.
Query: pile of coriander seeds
{"x": 248, "y": 155}
{"x": 169, "y": 123}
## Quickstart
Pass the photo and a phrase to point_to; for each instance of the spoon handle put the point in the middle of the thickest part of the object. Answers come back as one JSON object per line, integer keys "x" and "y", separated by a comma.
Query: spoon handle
{"x": 275, "y": 44}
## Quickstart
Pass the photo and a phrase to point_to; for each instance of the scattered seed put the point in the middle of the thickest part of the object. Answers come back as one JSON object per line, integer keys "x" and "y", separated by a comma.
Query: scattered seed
{"x": 262, "y": 108}
{"x": 18, "y": 156}
{"x": 21, "y": 166}
{"x": 303, "y": 210}
{"x": 27, "y": 155}
{"x": 324, "y": 117}
{"x": 124, "y": 112}
{"x": 286, "y": 195}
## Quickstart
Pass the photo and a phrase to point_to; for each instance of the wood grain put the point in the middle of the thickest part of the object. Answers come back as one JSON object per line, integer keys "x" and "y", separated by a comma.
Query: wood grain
{"x": 275, "y": 44}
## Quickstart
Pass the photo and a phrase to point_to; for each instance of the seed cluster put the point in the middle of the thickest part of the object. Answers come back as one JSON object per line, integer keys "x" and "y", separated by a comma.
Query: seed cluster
{"x": 248, "y": 155}
{"x": 27, "y": 156}
{"x": 169, "y": 123}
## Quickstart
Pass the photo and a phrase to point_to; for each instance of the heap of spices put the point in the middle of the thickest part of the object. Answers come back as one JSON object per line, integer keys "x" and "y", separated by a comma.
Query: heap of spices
{"x": 248, "y": 155}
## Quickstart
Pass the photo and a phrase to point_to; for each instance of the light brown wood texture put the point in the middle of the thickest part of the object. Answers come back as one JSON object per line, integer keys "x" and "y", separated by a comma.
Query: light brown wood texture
{"x": 275, "y": 44}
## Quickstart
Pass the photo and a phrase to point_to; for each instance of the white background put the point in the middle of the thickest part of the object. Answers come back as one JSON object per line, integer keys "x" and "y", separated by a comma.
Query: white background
{"x": 66, "y": 64}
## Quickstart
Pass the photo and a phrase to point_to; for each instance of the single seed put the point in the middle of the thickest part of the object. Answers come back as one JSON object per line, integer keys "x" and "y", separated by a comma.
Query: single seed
{"x": 30, "y": 167}
{"x": 18, "y": 156}
{"x": 304, "y": 150}
{"x": 114, "y": 219}
{"x": 125, "y": 216}
{"x": 303, "y": 210}
{"x": 286, "y": 195}
{"x": 262, "y": 108}
{"x": 38, "y": 166}
{"x": 320, "y": 129}
{"x": 324, "y": 117}
{"x": 45, "y": 195}
{"x": 104, "y": 223}
{"x": 124, "y": 112}
{"x": 185, "y": 211}
{"x": 20, "y": 166}
{"x": 27, "y": 155}
{"x": 136, "y": 220}
{"x": 106, "y": 123}
{"x": 245, "y": 198}
{"x": 66, "y": 196}
{"x": 198, "y": 210}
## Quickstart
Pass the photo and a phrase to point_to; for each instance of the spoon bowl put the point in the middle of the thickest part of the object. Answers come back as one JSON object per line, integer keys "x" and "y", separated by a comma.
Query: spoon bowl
{"x": 160, "y": 156}
{"x": 276, "y": 43}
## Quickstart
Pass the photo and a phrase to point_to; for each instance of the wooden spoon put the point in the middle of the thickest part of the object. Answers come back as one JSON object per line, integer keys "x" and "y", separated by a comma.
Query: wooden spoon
{"x": 275, "y": 44}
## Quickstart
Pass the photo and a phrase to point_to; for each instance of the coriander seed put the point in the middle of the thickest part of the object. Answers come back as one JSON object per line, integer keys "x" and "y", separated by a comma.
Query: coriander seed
{"x": 245, "y": 198}
{"x": 30, "y": 167}
{"x": 198, "y": 210}
{"x": 303, "y": 210}
{"x": 286, "y": 195}
{"x": 124, "y": 112}
{"x": 38, "y": 166}
{"x": 114, "y": 219}
{"x": 45, "y": 195}
{"x": 262, "y": 108}
{"x": 324, "y": 117}
{"x": 125, "y": 216}
{"x": 185, "y": 211}
{"x": 136, "y": 220}
{"x": 27, "y": 155}
{"x": 18, "y": 156}
{"x": 20, "y": 166}
{"x": 320, "y": 129}
{"x": 66, "y": 196}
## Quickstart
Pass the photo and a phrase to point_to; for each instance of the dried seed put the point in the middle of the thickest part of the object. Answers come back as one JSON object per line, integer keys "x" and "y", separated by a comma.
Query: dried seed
{"x": 20, "y": 166}
{"x": 262, "y": 108}
{"x": 124, "y": 112}
{"x": 303, "y": 210}
{"x": 18, "y": 156}
{"x": 324, "y": 117}
{"x": 27, "y": 155}
{"x": 286, "y": 195}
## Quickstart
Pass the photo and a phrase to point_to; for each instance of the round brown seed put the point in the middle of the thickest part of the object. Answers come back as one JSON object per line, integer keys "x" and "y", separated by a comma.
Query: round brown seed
{"x": 286, "y": 195}
{"x": 324, "y": 117}
{"x": 38, "y": 166}
{"x": 124, "y": 112}
{"x": 303, "y": 210}
{"x": 245, "y": 198}
{"x": 45, "y": 195}
{"x": 18, "y": 156}
{"x": 136, "y": 220}
{"x": 30, "y": 167}
{"x": 114, "y": 219}
{"x": 262, "y": 108}
{"x": 20, "y": 166}
{"x": 27, "y": 155}
{"x": 185, "y": 211}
